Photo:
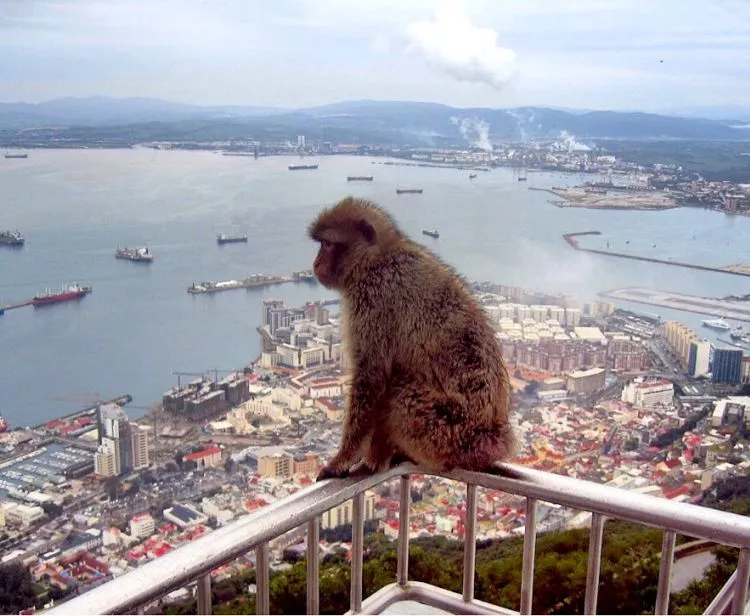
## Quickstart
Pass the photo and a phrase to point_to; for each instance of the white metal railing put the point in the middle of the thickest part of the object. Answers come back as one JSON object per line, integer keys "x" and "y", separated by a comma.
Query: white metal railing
{"x": 194, "y": 562}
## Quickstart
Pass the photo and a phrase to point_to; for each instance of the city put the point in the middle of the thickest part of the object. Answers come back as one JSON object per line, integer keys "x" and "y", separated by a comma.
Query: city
{"x": 602, "y": 394}
{"x": 190, "y": 398}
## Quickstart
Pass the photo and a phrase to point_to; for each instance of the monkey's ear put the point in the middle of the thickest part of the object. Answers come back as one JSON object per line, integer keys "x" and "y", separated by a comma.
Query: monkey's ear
{"x": 367, "y": 231}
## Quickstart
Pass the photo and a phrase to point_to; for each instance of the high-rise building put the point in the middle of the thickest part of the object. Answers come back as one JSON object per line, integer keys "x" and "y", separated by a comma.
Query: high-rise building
{"x": 699, "y": 357}
{"x": 727, "y": 366}
{"x": 139, "y": 437}
{"x": 114, "y": 425}
{"x": 107, "y": 458}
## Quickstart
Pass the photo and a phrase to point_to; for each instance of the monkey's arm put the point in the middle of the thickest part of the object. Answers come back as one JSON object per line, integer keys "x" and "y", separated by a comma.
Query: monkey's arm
{"x": 367, "y": 391}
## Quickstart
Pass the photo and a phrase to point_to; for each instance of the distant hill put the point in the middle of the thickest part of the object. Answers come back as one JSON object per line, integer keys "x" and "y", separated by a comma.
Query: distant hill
{"x": 363, "y": 121}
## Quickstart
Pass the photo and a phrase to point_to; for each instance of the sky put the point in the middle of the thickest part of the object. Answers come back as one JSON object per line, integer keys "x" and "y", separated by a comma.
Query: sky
{"x": 649, "y": 55}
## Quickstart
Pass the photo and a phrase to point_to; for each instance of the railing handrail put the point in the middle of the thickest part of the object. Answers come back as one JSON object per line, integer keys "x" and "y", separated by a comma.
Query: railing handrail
{"x": 188, "y": 563}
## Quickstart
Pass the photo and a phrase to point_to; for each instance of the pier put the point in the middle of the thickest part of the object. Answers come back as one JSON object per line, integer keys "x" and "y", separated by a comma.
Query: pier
{"x": 90, "y": 410}
{"x": 573, "y": 242}
{"x": 255, "y": 280}
{"x": 738, "y": 311}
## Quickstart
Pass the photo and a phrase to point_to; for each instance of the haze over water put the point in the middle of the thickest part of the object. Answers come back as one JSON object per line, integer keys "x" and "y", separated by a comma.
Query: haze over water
{"x": 139, "y": 324}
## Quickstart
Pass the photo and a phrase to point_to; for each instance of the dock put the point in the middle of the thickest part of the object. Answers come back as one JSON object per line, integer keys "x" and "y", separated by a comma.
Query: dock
{"x": 120, "y": 401}
{"x": 252, "y": 281}
{"x": 573, "y": 242}
{"x": 738, "y": 311}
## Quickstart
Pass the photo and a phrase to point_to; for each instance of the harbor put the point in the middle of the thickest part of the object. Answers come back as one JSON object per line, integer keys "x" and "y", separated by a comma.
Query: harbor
{"x": 738, "y": 311}
{"x": 736, "y": 270}
{"x": 252, "y": 281}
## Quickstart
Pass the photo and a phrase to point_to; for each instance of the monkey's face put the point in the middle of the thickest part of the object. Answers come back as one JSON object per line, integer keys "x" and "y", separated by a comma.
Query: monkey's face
{"x": 328, "y": 266}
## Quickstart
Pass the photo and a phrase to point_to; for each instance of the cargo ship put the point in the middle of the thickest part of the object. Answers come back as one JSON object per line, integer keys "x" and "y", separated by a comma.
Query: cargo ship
{"x": 472, "y": 176}
{"x": 16, "y": 156}
{"x": 137, "y": 254}
{"x": 301, "y": 167}
{"x": 409, "y": 191}
{"x": 11, "y": 238}
{"x": 431, "y": 232}
{"x": 359, "y": 178}
{"x": 65, "y": 294}
{"x": 223, "y": 238}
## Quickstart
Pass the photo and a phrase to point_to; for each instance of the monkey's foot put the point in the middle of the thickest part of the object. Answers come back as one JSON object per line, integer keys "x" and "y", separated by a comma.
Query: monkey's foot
{"x": 331, "y": 472}
{"x": 401, "y": 458}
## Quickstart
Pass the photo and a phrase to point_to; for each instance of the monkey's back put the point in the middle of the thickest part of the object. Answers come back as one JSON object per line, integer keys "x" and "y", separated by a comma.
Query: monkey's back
{"x": 436, "y": 333}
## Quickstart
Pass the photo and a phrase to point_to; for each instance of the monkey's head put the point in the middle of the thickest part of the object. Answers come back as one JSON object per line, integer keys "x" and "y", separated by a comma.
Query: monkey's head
{"x": 352, "y": 234}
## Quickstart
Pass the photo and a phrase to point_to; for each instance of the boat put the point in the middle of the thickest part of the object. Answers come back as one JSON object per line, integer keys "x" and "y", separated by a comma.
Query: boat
{"x": 223, "y": 238}
{"x": 137, "y": 254}
{"x": 11, "y": 238}
{"x": 65, "y": 294}
{"x": 431, "y": 232}
{"x": 522, "y": 176}
{"x": 472, "y": 176}
{"x": 301, "y": 167}
{"x": 4, "y": 425}
{"x": 359, "y": 178}
{"x": 16, "y": 156}
{"x": 720, "y": 324}
{"x": 737, "y": 333}
{"x": 409, "y": 191}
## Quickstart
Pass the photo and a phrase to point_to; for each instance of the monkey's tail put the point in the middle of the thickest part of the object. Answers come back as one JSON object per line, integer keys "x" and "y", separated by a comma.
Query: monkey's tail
{"x": 500, "y": 470}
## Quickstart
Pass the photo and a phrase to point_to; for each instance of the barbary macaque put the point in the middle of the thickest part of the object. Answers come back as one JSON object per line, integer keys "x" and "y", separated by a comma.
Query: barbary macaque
{"x": 429, "y": 383}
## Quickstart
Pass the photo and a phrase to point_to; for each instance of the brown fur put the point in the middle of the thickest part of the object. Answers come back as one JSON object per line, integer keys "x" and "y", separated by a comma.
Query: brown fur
{"x": 429, "y": 383}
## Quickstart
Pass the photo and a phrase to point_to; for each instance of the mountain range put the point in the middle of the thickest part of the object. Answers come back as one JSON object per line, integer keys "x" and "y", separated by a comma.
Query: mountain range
{"x": 364, "y": 121}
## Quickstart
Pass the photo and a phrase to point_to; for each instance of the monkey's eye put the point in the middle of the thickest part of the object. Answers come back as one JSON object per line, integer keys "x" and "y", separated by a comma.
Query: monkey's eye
{"x": 325, "y": 244}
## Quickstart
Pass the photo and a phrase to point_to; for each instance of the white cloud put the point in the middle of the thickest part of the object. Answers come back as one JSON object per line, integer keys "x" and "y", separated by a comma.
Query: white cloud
{"x": 452, "y": 44}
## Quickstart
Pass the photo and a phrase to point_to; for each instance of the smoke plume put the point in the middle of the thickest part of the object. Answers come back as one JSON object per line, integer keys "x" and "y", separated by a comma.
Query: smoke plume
{"x": 475, "y": 131}
{"x": 453, "y": 45}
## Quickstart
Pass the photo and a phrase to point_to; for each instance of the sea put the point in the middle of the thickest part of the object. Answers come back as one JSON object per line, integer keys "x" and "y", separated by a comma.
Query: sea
{"x": 139, "y": 326}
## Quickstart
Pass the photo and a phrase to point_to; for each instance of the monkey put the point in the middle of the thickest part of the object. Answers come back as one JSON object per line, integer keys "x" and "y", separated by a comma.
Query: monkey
{"x": 429, "y": 384}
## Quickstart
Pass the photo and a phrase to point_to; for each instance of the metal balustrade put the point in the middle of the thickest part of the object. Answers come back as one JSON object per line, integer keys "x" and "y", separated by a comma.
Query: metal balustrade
{"x": 193, "y": 563}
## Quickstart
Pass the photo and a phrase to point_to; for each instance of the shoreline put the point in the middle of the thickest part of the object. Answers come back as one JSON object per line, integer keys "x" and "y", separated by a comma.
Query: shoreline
{"x": 579, "y": 198}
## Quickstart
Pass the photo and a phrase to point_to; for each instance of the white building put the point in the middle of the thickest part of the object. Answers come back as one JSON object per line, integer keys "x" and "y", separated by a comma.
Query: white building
{"x": 139, "y": 439}
{"x": 648, "y": 394}
{"x": 107, "y": 458}
{"x": 142, "y": 525}
{"x": 344, "y": 513}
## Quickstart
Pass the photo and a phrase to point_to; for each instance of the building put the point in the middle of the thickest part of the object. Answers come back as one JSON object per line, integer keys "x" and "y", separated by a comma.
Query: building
{"x": 344, "y": 513}
{"x": 746, "y": 369}
{"x": 107, "y": 459}
{"x": 586, "y": 381}
{"x": 307, "y": 464}
{"x": 142, "y": 525}
{"x": 275, "y": 464}
{"x": 113, "y": 424}
{"x": 184, "y": 516}
{"x": 649, "y": 394}
{"x": 206, "y": 458}
{"x": 139, "y": 436}
{"x": 679, "y": 337}
{"x": 699, "y": 357}
{"x": 727, "y": 366}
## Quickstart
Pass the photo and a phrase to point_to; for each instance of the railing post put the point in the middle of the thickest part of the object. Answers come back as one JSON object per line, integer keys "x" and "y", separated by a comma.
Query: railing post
{"x": 594, "y": 564}
{"x": 204, "y": 594}
{"x": 470, "y": 543}
{"x": 262, "y": 597}
{"x": 313, "y": 566}
{"x": 529, "y": 553}
{"x": 402, "y": 571}
{"x": 358, "y": 539}
{"x": 743, "y": 579}
{"x": 665, "y": 572}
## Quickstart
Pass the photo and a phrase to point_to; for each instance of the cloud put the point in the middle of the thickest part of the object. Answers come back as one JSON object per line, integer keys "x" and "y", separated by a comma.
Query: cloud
{"x": 455, "y": 46}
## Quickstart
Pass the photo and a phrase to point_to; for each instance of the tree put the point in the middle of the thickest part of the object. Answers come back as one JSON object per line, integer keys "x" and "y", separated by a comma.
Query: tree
{"x": 16, "y": 592}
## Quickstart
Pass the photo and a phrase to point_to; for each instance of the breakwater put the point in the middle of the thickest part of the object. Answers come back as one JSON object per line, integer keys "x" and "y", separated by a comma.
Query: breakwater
{"x": 573, "y": 242}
